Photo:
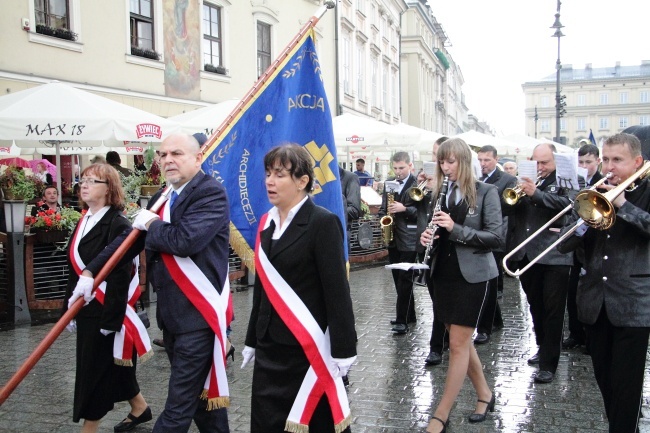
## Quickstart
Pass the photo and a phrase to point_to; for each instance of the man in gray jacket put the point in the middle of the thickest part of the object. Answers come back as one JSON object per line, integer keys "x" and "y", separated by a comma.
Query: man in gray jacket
{"x": 614, "y": 294}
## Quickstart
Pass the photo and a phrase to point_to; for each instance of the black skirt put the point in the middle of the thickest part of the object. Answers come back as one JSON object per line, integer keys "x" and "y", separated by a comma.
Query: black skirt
{"x": 456, "y": 302}
{"x": 279, "y": 371}
{"x": 99, "y": 382}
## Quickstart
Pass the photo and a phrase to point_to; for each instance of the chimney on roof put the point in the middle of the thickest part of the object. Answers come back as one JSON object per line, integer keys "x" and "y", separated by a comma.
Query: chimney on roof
{"x": 588, "y": 71}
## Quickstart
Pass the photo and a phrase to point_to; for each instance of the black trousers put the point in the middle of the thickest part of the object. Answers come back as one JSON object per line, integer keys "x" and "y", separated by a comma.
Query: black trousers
{"x": 546, "y": 290}
{"x": 405, "y": 306}
{"x": 491, "y": 313}
{"x": 438, "y": 329}
{"x": 619, "y": 355}
{"x": 576, "y": 328}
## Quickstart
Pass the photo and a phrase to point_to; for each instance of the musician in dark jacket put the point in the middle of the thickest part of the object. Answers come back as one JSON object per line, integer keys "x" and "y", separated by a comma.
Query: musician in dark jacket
{"x": 546, "y": 282}
{"x": 468, "y": 228}
{"x": 403, "y": 209}
{"x": 491, "y": 174}
{"x": 438, "y": 331}
{"x": 614, "y": 293}
{"x": 99, "y": 382}
{"x": 589, "y": 159}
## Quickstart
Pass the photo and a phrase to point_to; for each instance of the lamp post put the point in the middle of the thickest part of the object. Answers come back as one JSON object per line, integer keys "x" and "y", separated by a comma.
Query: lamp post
{"x": 15, "y": 221}
{"x": 558, "y": 66}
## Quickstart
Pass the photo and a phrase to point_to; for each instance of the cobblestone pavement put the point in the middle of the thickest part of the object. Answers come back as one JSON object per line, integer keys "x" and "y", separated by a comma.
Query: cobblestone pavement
{"x": 390, "y": 388}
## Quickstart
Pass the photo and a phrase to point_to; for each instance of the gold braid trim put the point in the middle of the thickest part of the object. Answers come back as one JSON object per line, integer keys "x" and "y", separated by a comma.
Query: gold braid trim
{"x": 338, "y": 428}
{"x": 242, "y": 249}
{"x": 218, "y": 403}
{"x": 294, "y": 427}
{"x": 146, "y": 357}
{"x": 123, "y": 362}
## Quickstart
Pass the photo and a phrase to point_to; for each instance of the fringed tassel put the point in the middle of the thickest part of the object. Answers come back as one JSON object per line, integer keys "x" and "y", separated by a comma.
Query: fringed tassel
{"x": 218, "y": 403}
{"x": 204, "y": 394}
{"x": 123, "y": 362}
{"x": 242, "y": 249}
{"x": 338, "y": 428}
{"x": 294, "y": 427}
{"x": 147, "y": 356}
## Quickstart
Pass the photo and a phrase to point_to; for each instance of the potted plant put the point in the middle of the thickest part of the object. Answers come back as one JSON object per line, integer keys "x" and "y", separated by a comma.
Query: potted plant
{"x": 51, "y": 226}
{"x": 16, "y": 185}
{"x": 215, "y": 69}
{"x": 151, "y": 178}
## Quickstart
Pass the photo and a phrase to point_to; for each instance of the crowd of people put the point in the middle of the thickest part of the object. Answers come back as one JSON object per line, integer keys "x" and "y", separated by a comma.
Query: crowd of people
{"x": 301, "y": 338}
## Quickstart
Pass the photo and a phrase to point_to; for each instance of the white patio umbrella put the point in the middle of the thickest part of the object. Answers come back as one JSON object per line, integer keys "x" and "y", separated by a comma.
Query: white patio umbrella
{"x": 504, "y": 147}
{"x": 205, "y": 119}
{"x": 57, "y": 114}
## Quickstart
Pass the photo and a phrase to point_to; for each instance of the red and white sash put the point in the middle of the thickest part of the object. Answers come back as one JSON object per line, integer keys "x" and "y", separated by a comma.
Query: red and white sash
{"x": 320, "y": 378}
{"x": 133, "y": 334}
{"x": 215, "y": 308}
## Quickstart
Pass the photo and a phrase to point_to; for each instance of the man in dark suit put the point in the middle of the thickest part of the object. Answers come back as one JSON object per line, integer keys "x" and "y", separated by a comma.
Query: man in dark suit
{"x": 197, "y": 230}
{"x": 402, "y": 248}
{"x": 546, "y": 282}
{"x": 589, "y": 159}
{"x": 491, "y": 314}
{"x": 351, "y": 195}
{"x": 614, "y": 293}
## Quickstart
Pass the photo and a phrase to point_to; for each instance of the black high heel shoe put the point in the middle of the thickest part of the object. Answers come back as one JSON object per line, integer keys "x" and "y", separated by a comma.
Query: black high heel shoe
{"x": 480, "y": 417}
{"x": 444, "y": 423}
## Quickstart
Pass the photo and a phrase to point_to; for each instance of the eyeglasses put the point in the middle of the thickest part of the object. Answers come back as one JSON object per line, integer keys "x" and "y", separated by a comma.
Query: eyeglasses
{"x": 91, "y": 182}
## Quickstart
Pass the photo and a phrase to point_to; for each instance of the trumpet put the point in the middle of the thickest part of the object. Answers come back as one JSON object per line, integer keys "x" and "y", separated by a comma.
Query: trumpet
{"x": 418, "y": 192}
{"x": 594, "y": 209}
{"x": 512, "y": 195}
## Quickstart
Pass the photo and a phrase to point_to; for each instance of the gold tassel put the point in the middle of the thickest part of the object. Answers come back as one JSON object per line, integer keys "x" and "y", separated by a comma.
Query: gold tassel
{"x": 204, "y": 394}
{"x": 338, "y": 428}
{"x": 218, "y": 403}
{"x": 147, "y": 356}
{"x": 242, "y": 249}
{"x": 123, "y": 362}
{"x": 294, "y": 427}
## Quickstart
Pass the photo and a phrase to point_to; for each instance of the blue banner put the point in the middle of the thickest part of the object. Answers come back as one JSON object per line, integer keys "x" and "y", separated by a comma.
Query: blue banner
{"x": 290, "y": 107}
{"x": 592, "y": 138}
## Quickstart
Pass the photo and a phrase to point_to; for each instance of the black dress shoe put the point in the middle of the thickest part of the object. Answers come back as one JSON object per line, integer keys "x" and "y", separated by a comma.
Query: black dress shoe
{"x": 394, "y": 322}
{"x": 571, "y": 343}
{"x": 544, "y": 376}
{"x": 534, "y": 360}
{"x": 480, "y": 417}
{"x": 482, "y": 338}
{"x": 131, "y": 421}
{"x": 434, "y": 358}
{"x": 400, "y": 329}
{"x": 158, "y": 342}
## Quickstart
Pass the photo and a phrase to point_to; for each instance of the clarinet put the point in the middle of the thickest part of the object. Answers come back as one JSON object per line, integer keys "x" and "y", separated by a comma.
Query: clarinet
{"x": 434, "y": 227}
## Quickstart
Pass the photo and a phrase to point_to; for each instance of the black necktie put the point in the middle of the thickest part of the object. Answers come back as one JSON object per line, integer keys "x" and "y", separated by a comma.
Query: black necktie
{"x": 453, "y": 197}
{"x": 484, "y": 177}
{"x": 401, "y": 182}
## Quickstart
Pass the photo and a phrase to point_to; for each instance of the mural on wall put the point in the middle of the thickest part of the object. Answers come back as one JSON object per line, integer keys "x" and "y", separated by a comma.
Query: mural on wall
{"x": 182, "y": 31}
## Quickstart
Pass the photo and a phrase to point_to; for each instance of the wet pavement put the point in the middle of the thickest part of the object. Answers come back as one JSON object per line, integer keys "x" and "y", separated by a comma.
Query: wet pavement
{"x": 390, "y": 389}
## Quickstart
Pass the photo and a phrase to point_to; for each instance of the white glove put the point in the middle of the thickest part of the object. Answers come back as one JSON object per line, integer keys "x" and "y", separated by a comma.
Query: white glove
{"x": 84, "y": 288}
{"x": 142, "y": 218}
{"x": 343, "y": 365}
{"x": 248, "y": 354}
{"x": 72, "y": 326}
{"x": 105, "y": 332}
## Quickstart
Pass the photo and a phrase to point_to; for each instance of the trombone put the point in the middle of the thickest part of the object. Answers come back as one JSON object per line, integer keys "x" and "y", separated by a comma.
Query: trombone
{"x": 595, "y": 209}
{"x": 418, "y": 192}
{"x": 512, "y": 195}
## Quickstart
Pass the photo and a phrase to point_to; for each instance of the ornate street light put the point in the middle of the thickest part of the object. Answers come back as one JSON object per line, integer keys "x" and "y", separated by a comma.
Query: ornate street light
{"x": 558, "y": 66}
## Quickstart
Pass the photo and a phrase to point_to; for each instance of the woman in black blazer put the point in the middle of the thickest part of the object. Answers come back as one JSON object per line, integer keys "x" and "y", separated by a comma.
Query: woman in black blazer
{"x": 304, "y": 244}
{"x": 99, "y": 382}
{"x": 469, "y": 227}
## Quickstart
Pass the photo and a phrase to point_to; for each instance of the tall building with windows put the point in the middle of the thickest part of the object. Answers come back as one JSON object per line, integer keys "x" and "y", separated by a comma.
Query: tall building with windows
{"x": 369, "y": 58}
{"x": 429, "y": 100}
{"x": 163, "y": 56}
{"x": 603, "y": 100}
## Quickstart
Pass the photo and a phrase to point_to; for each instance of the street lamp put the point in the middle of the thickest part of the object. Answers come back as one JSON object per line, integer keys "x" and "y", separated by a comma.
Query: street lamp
{"x": 558, "y": 66}
{"x": 15, "y": 224}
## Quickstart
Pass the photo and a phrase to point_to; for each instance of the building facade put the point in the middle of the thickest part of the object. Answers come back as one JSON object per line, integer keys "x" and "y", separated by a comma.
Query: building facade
{"x": 163, "y": 56}
{"x": 602, "y": 100}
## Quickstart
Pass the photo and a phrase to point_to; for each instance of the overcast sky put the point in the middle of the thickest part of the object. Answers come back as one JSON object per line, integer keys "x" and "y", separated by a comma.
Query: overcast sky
{"x": 501, "y": 44}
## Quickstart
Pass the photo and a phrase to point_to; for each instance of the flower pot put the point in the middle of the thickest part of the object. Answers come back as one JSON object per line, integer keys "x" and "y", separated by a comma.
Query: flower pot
{"x": 149, "y": 190}
{"x": 50, "y": 236}
{"x": 9, "y": 195}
